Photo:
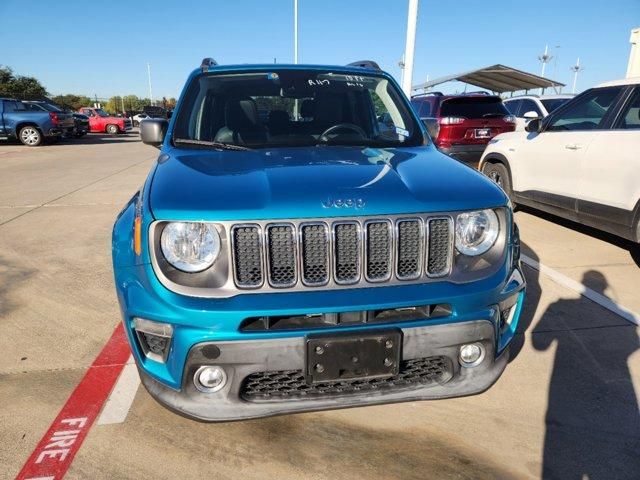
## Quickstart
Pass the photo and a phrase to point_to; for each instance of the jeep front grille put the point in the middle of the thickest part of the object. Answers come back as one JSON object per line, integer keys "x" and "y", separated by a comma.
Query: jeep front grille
{"x": 342, "y": 252}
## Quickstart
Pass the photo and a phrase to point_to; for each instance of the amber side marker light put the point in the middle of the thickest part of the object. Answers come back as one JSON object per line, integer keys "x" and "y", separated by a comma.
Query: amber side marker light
{"x": 137, "y": 235}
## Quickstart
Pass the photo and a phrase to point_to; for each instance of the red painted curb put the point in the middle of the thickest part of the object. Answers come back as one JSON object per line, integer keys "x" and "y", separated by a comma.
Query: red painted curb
{"x": 53, "y": 455}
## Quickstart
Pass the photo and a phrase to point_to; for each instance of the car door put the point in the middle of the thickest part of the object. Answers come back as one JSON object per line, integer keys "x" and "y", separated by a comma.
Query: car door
{"x": 550, "y": 161}
{"x": 609, "y": 189}
{"x": 514, "y": 106}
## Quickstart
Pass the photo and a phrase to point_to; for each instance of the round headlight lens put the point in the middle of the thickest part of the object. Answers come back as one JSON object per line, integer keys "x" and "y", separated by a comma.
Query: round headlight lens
{"x": 190, "y": 247}
{"x": 476, "y": 232}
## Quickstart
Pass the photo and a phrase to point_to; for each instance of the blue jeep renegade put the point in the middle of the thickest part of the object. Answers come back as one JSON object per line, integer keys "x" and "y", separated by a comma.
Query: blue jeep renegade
{"x": 301, "y": 245}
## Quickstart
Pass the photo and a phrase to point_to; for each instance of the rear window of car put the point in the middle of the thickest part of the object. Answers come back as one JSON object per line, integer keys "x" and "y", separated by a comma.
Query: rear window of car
{"x": 473, "y": 107}
{"x": 422, "y": 107}
{"x": 552, "y": 103}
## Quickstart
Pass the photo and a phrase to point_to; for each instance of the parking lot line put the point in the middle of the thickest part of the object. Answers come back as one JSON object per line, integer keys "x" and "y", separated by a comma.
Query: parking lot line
{"x": 583, "y": 290}
{"x": 54, "y": 453}
{"x": 122, "y": 396}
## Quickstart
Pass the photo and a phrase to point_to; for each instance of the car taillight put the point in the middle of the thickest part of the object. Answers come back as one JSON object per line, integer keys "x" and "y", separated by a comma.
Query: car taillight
{"x": 451, "y": 120}
{"x": 510, "y": 119}
{"x": 54, "y": 118}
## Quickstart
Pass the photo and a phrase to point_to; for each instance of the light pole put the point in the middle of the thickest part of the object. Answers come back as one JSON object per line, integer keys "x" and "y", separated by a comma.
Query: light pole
{"x": 576, "y": 69}
{"x": 401, "y": 64}
{"x": 544, "y": 58}
{"x": 149, "y": 76}
{"x": 295, "y": 32}
{"x": 409, "y": 49}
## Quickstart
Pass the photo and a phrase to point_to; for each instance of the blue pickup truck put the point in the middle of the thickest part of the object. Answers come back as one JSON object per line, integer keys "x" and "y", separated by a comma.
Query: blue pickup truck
{"x": 30, "y": 126}
{"x": 289, "y": 252}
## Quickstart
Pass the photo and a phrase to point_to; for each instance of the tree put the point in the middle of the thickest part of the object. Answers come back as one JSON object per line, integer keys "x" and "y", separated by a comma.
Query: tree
{"x": 71, "y": 101}
{"x": 18, "y": 86}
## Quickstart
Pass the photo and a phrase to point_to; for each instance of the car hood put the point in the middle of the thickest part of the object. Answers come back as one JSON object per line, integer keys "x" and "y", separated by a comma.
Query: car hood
{"x": 314, "y": 182}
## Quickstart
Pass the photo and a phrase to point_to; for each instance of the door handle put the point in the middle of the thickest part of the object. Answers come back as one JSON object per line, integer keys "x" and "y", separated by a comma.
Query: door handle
{"x": 573, "y": 146}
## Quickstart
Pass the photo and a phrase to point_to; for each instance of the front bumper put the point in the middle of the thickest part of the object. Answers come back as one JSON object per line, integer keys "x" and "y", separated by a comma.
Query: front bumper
{"x": 242, "y": 358}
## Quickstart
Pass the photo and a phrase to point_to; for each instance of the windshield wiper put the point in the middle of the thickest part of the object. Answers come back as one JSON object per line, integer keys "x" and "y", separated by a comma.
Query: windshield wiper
{"x": 207, "y": 143}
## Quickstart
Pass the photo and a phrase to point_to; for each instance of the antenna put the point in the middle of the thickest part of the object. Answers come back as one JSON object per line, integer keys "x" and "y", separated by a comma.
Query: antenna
{"x": 576, "y": 69}
{"x": 545, "y": 58}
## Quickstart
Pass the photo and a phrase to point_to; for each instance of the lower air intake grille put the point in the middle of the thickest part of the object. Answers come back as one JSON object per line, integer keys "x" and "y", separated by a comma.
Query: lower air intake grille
{"x": 247, "y": 256}
{"x": 439, "y": 244}
{"x": 282, "y": 255}
{"x": 291, "y": 384}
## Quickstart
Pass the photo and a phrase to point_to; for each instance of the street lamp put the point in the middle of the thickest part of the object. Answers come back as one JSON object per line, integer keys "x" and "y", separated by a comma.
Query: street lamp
{"x": 577, "y": 68}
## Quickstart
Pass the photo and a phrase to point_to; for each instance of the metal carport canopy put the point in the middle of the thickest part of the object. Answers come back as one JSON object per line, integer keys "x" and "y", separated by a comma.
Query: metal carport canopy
{"x": 497, "y": 78}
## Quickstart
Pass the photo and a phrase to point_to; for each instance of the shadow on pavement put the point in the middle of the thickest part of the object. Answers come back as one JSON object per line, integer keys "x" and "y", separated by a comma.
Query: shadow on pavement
{"x": 631, "y": 247}
{"x": 592, "y": 421}
{"x": 530, "y": 304}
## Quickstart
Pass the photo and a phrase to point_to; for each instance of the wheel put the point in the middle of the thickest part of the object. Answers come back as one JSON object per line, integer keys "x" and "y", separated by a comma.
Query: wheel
{"x": 499, "y": 174}
{"x": 136, "y": 123}
{"x": 30, "y": 136}
{"x": 112, "y": 129}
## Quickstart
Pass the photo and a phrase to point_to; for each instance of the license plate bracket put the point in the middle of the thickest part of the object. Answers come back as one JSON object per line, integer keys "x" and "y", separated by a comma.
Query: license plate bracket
{"x": 358, "y": 356}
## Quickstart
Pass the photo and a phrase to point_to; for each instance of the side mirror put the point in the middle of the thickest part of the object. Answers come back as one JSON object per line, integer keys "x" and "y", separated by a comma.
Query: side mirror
{"x": 531, "y": 115}
{"x": 533, "y": 125}
{"x": 153, "y": 130}
{"x": 433, "y": 127}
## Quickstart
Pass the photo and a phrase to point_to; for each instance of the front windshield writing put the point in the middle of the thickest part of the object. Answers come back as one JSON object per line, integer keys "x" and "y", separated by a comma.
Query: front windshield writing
{"x": 296, "y": 108}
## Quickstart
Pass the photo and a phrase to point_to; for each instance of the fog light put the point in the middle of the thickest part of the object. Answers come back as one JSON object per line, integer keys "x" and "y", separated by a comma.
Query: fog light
{"x": 471, "y": 354}
{"x": 154, "y": 338}
{"x": 210, "y": 379}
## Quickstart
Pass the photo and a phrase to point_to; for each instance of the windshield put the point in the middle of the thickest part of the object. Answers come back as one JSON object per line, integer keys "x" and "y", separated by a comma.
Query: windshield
{"x": 47, "y": 107}
{"x": 473, "y": 107}
{"x": 101, "y": 113}
{"x": 552, "y": 103}
{"x": 295, "y": 108}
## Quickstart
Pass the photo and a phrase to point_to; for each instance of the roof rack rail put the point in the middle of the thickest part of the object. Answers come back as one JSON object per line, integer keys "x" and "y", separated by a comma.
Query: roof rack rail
{"x": 365, "y": 64}
{"x": 478, "y": 92}
{"x": 207, "y": 63}
{"x": 425, "y": 94}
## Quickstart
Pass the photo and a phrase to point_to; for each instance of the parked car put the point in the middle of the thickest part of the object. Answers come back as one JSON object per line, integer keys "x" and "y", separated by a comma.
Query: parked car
{"x": 528, "y": 107}
{"x": 81, "y": 124}
{"x": 316, "y": 263}
{"x": 138, "y": 118}
{"x": 581, "y": 162}
{"x": 101, "y": 122}
{"x": 65, "y": 120}
{"x": 30, "y": 126}
{"x": 462, "y": 125}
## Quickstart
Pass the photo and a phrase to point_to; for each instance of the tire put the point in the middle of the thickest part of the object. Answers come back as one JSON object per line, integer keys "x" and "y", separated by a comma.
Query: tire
{"x": 30, "y": 136}
{"x": 499, "y": 174}
{"x": 113, "y": 129}
{"x": 136, "y": 123}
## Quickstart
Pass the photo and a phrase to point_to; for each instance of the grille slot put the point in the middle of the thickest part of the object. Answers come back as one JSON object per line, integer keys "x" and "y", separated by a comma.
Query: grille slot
{"x": 281, "y": 254}
{"x": 292, "y": 385}
{"x": 247, "y": 248}
{"x": 315, "y": 254}
{"x": 439, "y": 247}
{"x": 378, "y": 251}
{"x": 409, "y": 249}
{"x": 347, "y": 253}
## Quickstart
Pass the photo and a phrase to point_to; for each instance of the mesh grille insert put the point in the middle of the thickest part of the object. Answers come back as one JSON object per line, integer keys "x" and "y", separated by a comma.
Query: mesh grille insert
{"x": 291, "y": 384}
{"x": 347, "y": 253}
{"x": 378, "y": 251}
{"x": 409, "y": 249}
{"x": 439, "y": 247}
{"x": 282, "y": 255}
{"x": 247, "y": 256}
{"x": 315, "y": 249}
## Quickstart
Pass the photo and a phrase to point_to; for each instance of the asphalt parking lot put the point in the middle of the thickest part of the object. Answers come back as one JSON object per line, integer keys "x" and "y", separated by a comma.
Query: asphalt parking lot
{"x": 566, "y": 407}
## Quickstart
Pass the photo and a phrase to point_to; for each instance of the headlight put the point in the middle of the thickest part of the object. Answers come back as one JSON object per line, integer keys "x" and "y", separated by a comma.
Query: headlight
{"x": 190, "y": 247}
{"x": 476, "y": 232}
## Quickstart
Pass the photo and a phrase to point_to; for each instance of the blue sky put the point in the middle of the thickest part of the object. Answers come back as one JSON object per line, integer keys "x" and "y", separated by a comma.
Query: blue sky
{"x": 102, "y": 48}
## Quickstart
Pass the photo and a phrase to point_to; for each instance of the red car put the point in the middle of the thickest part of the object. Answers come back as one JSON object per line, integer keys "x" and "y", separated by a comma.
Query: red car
{"x": 101, "y": 122}
{"x": 462, "y": 125}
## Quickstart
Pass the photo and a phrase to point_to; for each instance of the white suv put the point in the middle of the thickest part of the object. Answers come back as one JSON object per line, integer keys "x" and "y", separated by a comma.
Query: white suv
{"x": 582, "y": 162}
{"x": 528, "y": 107}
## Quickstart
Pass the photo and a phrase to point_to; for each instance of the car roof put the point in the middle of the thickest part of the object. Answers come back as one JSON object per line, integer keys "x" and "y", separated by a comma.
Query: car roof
{"x": 622, "y": 81}
{"x": 540, "y": 97}
{"x": 291, "y": 66}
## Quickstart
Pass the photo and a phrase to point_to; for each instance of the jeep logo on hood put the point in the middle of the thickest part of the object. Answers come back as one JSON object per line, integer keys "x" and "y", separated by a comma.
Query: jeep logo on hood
{"x": 357, "y": 203}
